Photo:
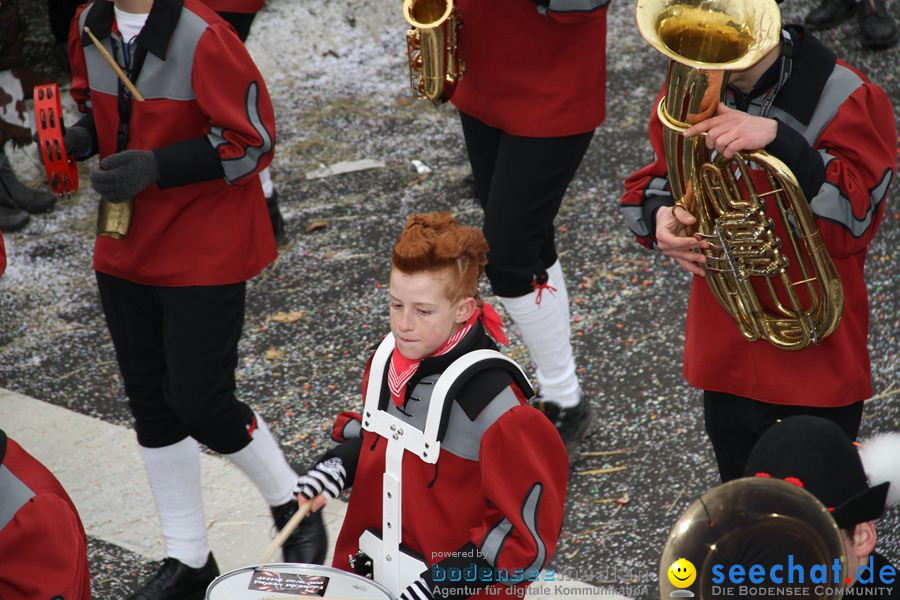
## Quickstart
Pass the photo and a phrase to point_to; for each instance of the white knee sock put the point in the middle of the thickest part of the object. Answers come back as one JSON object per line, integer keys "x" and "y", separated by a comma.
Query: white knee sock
{"x": 266, "y": 179}
{"x": 546, "y": 332}
{"x": 174, "y": 473}
{"x": 263, "y": 462}
{"x": 555, "y": 273}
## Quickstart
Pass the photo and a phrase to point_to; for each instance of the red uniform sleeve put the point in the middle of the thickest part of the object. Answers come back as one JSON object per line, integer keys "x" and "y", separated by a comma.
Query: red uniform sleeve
{"x": 524, "y": 470}
{"x": 80, "y": 91}
{"x": 859, "y": 148}
{"x": 242, "y": 120}
{"x": 647, "y": 189}
{"x": 43, "y": 552}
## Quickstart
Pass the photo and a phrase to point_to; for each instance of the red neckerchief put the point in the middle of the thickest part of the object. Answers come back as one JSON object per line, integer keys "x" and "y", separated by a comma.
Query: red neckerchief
{"x": 402, "y": 369}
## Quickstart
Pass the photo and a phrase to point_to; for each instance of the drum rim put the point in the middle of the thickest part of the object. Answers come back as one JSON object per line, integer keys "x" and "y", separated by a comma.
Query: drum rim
{"x": 324, "y": 568}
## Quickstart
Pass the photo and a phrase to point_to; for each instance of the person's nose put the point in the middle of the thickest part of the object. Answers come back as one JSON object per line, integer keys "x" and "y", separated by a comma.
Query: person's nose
{"x": 406, "y": 321}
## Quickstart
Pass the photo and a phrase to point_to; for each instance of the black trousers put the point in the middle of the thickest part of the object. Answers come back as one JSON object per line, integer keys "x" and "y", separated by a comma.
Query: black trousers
{"x": 734, "y": 425}
{"x": 177, "y": 352}
{"x": 520, "y": 182}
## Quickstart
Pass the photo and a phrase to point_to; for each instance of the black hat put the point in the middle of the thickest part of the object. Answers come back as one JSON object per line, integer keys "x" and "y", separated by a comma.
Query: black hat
{"x": 816, "y": 454}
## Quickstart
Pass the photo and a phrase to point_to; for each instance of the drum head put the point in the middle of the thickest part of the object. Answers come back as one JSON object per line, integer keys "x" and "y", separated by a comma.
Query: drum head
{"x": 284, "y": 581}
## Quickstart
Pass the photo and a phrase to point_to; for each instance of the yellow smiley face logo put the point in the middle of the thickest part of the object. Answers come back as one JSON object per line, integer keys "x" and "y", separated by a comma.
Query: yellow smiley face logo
{"x": 682, "y": 573}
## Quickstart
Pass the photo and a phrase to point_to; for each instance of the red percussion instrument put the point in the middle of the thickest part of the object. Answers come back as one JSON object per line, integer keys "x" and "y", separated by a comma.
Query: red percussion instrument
{"x": 62, "y": 172}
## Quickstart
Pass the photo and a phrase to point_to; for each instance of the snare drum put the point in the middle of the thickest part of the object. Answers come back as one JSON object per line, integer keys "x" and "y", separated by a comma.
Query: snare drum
{"x": 286, "y": 581}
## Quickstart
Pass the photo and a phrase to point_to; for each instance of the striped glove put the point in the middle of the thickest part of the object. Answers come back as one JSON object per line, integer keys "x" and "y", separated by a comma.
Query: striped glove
{"x": 417, "y": 590}
{"x": 326, "y": 478}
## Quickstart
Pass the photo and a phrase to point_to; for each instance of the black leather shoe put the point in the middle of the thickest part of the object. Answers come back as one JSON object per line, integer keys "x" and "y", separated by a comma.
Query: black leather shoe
{"x": 876, "y": 27}
{"x": 309, "y": 542}
{"x": 830, "y": 13}
{"x": 176, "y": 581}
{"x": 277, "y": 220}
{"x": 12, "y": 219}
{"x": 15, "y": 194}
{"x": 572, "y": 423}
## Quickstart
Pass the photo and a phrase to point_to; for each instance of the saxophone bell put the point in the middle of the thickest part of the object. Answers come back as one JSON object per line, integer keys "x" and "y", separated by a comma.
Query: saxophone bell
{"x": 432, "y": 48}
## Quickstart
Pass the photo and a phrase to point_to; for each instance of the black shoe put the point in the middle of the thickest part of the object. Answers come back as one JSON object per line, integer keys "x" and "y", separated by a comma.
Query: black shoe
{"x": 176, "y": 581}
{"x": 572, "y": 423}
{"x": 15, "y": 194}
{"x": 276, "y": 219}
{"x": 309, "y": 542}
{"x": 12, "y": 219}
{"x": 830, "y": 13}
{"x": 876, "y": 27}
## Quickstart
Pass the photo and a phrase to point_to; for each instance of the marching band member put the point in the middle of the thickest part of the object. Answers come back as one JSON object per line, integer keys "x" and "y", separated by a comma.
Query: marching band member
{"x": 43, "y": 548}
{"x": 854, "y": 484}
{"x": 835, "y": 130}
{"x": 173, "y": 291}
{"x": 480, "y": 478}
{"x": 532, "y": 95}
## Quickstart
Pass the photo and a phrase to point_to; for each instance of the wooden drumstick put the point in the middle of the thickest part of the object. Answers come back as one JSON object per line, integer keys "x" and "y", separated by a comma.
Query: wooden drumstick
{"x": 115, "y": 66}
{"x": 285, "y": 532}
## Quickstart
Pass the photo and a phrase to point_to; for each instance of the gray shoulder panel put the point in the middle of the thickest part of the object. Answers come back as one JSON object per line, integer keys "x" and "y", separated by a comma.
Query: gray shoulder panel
{"x": 101, "y": 77}
{"x": 13, "y": 495}
{"x": 463, "y": 437}
{"x": 171, "y": 78}
{"x": 168, "y": 79}
{"x": 840, "y": 85}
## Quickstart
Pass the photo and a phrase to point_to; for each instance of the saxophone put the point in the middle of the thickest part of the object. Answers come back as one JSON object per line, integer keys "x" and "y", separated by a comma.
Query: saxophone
{"x": 704, "y": 40}
{"x": 431, "y": 43}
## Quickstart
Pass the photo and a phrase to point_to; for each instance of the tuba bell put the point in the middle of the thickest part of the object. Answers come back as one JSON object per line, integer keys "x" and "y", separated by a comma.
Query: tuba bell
{"x": 754, "y": 521}
{"x": 705, "y": 40}
{"x": 431, "y": 43}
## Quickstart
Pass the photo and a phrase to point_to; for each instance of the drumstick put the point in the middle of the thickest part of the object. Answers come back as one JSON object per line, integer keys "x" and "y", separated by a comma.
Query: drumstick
{"x": 285, "y": 532}
{"x": 115, "y": 66}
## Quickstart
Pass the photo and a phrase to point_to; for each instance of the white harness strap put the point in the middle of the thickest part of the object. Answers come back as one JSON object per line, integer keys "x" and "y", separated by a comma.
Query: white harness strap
{"x": 393, "y": 568}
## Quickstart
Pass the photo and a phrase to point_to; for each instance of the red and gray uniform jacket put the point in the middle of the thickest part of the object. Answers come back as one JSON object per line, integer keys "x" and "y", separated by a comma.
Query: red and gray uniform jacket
{"x": 837, "y": 133}
{"x": 495, "y": 495}
{"x": 534, "y": 69}
{"x": 43, "y": 549}
{"x": 208, "y": 119}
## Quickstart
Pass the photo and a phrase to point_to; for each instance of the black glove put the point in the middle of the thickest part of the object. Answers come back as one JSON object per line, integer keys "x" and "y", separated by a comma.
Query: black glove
{"x": 125, "y": 174}
{"x": 417, "y": 590}
{"x": 326, "y": 478}
{"x": 77, "y": 141}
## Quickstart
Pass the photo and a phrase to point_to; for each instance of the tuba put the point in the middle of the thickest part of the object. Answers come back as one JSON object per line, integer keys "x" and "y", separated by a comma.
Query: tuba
{"x": 434, "y": 65}
{"x": 754, "y": 521}
{"x": 705, "y": 40}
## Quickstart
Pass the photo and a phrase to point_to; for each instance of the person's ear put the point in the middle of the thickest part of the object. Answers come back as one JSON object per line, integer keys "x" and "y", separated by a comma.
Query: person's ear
{"x": 464, "y": 311}
{"x": 864, "y": 538}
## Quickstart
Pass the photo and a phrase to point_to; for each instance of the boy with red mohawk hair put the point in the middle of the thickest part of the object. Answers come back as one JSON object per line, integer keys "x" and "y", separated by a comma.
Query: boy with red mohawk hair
{"x": 450, "y": 466}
